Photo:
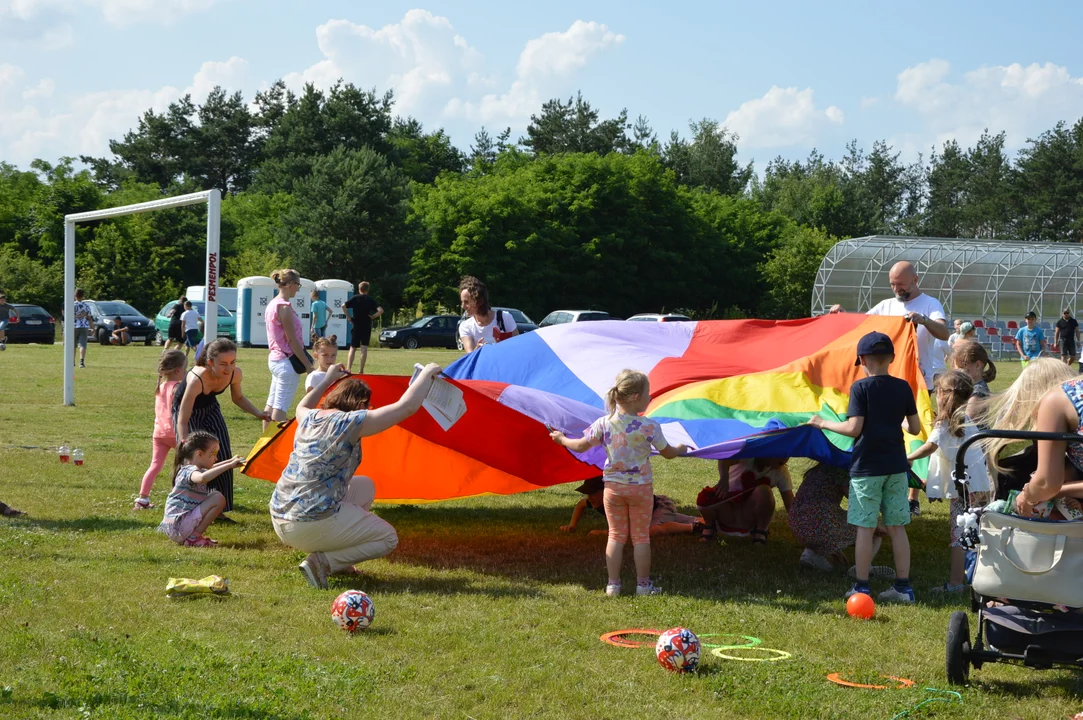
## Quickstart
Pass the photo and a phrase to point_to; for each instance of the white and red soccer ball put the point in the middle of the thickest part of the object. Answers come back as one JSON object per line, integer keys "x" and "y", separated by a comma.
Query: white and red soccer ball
{"x": 353, "y": 610}
{"x": 678, "y": 650}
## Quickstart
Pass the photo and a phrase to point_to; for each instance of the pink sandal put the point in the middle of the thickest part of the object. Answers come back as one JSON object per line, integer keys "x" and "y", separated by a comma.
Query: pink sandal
{"x": 199, "y": 542}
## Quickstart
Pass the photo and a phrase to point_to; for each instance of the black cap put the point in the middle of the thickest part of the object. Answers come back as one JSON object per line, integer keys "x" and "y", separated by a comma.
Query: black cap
{"x": 1030, "y": 315}
{"x": 591, "y": 486}
{"x": 875, "y": 343}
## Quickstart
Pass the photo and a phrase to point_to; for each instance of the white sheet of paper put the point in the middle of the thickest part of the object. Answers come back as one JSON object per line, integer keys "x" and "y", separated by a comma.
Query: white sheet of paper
{"x": 444, "y": 401}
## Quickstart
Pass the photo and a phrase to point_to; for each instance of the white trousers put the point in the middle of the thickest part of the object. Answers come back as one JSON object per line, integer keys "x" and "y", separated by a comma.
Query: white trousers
{"x": 350, "y": 536}
{"x": 284, "y": 382}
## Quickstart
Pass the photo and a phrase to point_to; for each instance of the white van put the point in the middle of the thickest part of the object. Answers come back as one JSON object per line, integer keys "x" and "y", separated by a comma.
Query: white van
{"x": 227, "y": 297}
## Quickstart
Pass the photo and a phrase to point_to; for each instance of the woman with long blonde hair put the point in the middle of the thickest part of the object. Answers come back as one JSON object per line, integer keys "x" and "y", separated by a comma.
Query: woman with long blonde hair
{"x": 1017, "y": 407}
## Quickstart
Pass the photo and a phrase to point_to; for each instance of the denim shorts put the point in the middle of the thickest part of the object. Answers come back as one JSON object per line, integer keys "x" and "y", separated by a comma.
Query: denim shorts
{"x": 874, "y": 495}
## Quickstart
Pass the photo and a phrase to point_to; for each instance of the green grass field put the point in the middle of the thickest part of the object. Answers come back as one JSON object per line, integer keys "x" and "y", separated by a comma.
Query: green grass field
{"x": 485, "y": 610}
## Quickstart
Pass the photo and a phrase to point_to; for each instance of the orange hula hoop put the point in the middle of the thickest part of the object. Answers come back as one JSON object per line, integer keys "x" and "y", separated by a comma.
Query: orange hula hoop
{"x": 616, "y": 638}
{"x": 903, "y": 682}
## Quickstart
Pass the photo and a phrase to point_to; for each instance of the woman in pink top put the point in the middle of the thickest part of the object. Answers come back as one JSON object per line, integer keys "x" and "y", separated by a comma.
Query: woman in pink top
{"x": 171, "y": 368}
{"x": 284, "y": 340}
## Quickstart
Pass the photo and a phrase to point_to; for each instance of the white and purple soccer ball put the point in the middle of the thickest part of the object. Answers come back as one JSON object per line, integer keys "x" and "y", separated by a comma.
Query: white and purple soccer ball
{"x": 678, "y": 650}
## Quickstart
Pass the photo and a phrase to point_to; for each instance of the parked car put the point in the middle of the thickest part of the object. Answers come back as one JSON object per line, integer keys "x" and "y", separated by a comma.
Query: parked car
{"x": 559, "y": 317}
{"x": 428, "y": 331}
{"x": 103, "y": 320}
{"x": 522, "y": 323}
{"x": 657, "y": 317}
{"x": 35, "y": 325}
{"x": 227, "y": 322}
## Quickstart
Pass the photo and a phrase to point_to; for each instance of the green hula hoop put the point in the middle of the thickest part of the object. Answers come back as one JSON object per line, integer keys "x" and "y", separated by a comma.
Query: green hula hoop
{"x": 752, "y": 641}
{"x": 780, "y": 654}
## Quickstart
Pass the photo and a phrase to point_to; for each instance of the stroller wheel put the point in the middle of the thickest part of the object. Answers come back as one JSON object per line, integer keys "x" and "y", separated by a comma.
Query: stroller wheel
{"x": 958, "y": 648}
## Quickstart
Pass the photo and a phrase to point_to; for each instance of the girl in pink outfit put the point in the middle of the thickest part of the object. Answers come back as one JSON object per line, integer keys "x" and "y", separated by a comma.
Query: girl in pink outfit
{"x": 629, "y": 490}
{"x": 171, "y": 368}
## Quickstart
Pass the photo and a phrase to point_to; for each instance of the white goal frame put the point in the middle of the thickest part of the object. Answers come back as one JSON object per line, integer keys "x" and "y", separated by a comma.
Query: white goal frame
{"x": 213, "y": 198}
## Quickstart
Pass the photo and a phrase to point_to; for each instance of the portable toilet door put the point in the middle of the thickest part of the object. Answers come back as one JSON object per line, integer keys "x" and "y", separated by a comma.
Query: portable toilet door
{"x": 254, "y": 294}
{"x": 335, "y": 293}
{"x": 302, "y": 305}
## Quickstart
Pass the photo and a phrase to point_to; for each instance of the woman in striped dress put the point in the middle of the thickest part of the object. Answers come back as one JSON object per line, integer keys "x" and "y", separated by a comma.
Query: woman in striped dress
{"x": 195, "y": 404}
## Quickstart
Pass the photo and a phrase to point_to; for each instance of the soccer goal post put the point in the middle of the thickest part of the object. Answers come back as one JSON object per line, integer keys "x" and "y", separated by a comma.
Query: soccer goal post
{"x": 213, "y": 198}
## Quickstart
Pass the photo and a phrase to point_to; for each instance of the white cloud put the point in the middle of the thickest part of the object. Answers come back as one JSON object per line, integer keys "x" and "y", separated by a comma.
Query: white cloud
{"x": 543, "y": 66}
{"x": 116, "y": 12}
{"x": 84, "y": 124}
{"x": 432, "y": 69}
{"x": 1020, "y": 100}
{"x": 421, "y": 58}
{"x": 781, "y": 118}
{"x": 43, "y": 89}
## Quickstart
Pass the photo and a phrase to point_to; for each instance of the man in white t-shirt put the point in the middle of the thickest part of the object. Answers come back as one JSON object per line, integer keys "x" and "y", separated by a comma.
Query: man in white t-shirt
{"x": 190, "y": 324}
{"x": 923, "y": 310}
{"x": 928, "y": 316}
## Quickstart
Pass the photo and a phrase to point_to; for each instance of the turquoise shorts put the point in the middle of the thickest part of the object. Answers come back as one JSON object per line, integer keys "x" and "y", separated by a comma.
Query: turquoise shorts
{"x": 870, "y": 496}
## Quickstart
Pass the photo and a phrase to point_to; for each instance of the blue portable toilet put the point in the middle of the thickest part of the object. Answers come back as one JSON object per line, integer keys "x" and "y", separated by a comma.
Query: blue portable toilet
{"x": 335, "y": 293}
{"x": 253, "y": 295}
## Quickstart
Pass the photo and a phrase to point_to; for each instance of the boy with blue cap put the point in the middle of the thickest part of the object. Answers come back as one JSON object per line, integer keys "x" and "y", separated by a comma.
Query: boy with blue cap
{"x": 879, "y": 405}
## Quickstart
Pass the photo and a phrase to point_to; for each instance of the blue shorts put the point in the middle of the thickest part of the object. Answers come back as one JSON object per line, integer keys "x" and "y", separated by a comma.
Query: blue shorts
{"x": 320, "y": 331}
{"x": 191, "y": 338}
{"x": 4, "y": 324}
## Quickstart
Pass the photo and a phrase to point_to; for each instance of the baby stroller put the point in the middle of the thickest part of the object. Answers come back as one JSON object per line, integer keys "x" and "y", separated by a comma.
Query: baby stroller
{"x": 1027, "y": 588}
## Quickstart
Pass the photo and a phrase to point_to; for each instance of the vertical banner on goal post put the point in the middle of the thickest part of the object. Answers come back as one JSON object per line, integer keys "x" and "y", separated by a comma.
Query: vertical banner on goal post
{"x": 214, "y": 264}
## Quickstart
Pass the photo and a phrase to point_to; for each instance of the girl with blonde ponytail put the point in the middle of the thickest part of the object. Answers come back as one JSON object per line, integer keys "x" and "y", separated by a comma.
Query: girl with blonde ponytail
{"x": 629, "y": 490}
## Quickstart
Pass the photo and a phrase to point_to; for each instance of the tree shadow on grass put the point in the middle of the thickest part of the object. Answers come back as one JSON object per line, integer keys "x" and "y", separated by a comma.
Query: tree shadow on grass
{"x": 104, "y": 701}
{"x": 1037, "y": 688}
{"x": 427, "y": 585}
{"x": 526, "y": 544}
{"x": 92, "y": 523}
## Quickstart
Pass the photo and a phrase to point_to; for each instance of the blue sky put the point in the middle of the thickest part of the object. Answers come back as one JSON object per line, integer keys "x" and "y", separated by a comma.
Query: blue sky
{"x": 786, "y": 76}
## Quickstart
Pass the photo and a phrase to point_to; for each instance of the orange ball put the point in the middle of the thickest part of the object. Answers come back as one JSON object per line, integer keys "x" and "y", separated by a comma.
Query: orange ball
{"x": 860, "y": 605}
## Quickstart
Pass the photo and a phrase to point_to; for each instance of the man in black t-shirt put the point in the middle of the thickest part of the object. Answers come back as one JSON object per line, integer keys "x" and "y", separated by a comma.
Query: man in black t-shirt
{"x": 1067, "y": 337}
{"x": 361, "y": 310}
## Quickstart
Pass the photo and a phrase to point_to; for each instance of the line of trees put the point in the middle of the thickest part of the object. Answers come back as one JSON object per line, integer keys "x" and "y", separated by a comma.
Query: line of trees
{"x": 582, "y": 211}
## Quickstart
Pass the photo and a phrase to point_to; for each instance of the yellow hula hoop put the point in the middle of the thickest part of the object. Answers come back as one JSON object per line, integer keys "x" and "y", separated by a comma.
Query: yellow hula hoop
{"x": 779, "y": 654}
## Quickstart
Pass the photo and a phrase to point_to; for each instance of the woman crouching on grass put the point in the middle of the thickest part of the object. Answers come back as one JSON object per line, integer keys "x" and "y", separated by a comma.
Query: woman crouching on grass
{"x": 319, "y": 506}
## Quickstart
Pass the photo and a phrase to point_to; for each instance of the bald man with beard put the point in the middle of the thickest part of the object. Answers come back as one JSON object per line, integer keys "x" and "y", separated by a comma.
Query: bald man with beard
{"x": 928, "y": 316}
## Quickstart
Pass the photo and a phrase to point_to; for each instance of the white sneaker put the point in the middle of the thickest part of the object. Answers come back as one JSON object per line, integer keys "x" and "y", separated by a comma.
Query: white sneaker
{"x": 651, "y": 589}
{"x": 881, "y": 572}
{"x": 815, "y": 561}
{"x": 612, "y": 590}
{"x": 893, "y": 594}
{"x": 315, "y": 569}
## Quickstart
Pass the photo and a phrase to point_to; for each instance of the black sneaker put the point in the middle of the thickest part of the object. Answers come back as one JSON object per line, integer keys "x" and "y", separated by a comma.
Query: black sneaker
{"x": 82, "y": 364}
{"x": 915, "y": 508}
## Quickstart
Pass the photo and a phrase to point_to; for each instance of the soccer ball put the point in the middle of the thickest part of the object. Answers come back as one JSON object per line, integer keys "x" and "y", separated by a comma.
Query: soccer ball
{"x": 353, "y": 610}
{"x": 678, "y": 650}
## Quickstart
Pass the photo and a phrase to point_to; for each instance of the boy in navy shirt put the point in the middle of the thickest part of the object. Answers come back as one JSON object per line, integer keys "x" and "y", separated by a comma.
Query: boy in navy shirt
{"x": 879, "y": 404}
